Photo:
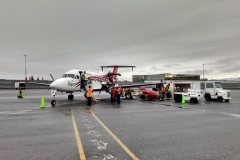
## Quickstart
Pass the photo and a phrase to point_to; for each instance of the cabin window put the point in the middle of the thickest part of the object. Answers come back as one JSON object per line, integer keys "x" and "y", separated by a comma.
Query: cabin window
{"x": 64, "y": 75}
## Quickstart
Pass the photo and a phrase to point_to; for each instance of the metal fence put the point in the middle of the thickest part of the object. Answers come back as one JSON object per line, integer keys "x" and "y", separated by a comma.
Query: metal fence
{"x": 10, "y": 84}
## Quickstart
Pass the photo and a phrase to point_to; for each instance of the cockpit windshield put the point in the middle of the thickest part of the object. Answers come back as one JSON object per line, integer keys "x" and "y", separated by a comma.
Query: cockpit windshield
{"x": 68, "y": 75}
{"x": 71, "y": 75}
{"x": 218, "y": 85}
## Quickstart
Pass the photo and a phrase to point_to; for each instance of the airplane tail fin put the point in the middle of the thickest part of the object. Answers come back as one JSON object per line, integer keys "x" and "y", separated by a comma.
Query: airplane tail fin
{"x": 25, "y": 80}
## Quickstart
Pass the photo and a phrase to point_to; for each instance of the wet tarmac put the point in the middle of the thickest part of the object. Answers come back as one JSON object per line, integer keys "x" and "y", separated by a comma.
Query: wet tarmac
{"x": 135, "y": 129}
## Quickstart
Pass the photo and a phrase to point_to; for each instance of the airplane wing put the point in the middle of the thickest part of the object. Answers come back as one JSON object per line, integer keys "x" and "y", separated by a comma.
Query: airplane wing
{"x": 130, "y": 85}
{"x": 138, "y": 85}
{"x": 43, "y": 84}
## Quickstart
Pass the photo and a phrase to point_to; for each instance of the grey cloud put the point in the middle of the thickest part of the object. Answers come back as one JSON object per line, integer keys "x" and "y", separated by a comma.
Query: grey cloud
{"x": 171, "y": 65}
{"x": 199, "y": 72}
{"x": 61, "y": 35}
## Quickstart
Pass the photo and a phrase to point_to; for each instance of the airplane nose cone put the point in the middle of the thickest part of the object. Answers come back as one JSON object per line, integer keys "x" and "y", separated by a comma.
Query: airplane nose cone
{"x": 54, "y": 85}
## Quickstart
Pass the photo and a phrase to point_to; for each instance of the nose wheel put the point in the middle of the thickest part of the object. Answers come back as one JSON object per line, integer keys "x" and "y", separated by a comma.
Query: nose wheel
{"x": 53, "y": 103}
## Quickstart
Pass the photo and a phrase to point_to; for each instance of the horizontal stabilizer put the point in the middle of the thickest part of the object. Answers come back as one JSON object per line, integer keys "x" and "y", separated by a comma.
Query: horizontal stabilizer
{"x": 117, "y": 66}
{"x": 111, "y": 74}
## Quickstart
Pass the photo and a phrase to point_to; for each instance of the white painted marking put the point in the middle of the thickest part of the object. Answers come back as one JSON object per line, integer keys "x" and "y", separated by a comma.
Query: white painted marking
{"x": 83, "y": 116}
{"x": 88, "y": 126}
{"x": 86, "y": 120}
{"x": 99, "y": 144}
{"x": 17, "y": 111}
{"x": 109, "y": 156}
{"x": 235, "y": 115}
{"x": 94, "y": 133}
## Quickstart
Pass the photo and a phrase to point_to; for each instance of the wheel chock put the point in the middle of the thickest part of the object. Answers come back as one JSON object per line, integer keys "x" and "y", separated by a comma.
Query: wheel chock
{"x": 97, "y": 101}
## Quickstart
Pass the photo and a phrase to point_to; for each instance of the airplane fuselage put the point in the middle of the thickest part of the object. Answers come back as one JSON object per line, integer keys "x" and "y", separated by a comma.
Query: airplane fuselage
{"x": 69, "y": 82}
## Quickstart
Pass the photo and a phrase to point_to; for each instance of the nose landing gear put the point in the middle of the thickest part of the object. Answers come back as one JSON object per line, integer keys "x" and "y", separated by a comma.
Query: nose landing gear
{"x": 53, "y": 102}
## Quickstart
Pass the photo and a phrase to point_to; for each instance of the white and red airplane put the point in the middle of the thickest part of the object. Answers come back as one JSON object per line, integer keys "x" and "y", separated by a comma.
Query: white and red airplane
{"x": 70, "y": 82}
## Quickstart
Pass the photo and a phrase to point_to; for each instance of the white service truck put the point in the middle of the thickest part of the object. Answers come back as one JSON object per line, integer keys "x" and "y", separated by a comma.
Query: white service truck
{"x": 191, "y": 90}
{"x": 213, "y": 90}
{"x": 20, "y": 85}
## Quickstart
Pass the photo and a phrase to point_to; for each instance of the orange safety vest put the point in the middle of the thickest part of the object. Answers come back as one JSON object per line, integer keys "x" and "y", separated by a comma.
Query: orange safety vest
{"x": 163, "y": 89}
{"x": 89, "y": 92}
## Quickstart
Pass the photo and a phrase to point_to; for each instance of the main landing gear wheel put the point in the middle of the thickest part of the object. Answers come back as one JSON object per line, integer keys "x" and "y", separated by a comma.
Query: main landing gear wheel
{"x": 70, "y": 97}
{"x": 226, "y": 100}
{"x": 53, "y": 103}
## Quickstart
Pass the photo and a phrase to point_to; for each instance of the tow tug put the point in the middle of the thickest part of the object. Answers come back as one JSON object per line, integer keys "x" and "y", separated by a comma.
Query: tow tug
{"x": 190, "y": 95}
{"x": 213, "y": 90}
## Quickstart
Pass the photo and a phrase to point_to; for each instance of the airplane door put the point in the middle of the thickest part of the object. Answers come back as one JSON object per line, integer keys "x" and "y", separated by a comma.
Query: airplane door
{"x": 75, "y": 82}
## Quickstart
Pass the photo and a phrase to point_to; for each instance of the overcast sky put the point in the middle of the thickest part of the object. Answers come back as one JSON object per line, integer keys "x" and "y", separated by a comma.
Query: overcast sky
{"x": 156, "y": 36}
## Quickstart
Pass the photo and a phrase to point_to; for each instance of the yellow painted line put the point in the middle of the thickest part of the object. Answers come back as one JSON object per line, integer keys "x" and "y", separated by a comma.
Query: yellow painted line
{"x": 119, "y": 142}
{"x": 79, "y": 143}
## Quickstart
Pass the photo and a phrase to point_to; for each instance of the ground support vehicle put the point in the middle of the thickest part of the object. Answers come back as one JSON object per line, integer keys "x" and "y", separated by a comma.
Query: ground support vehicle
{"x": 20, "y": 85}
{"x": 148, "y": 94}
{"x": 213, "y": 90}
{"x": 190, "y": 95}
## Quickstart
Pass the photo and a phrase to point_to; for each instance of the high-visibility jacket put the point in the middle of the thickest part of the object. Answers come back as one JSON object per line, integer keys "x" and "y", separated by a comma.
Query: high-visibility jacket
{"x": 89, "y": 92}
{"x": 170, "y": 89}
{"x": 86, "y": 76}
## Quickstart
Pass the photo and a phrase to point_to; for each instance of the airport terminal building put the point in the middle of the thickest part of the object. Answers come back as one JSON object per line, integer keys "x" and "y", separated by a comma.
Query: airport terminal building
{"x": 165, "y": 77}
{"x": 180, "y": 78}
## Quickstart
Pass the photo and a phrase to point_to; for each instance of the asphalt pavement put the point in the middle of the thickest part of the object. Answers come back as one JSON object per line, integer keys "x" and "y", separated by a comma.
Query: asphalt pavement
{"x": 135, "y": 129}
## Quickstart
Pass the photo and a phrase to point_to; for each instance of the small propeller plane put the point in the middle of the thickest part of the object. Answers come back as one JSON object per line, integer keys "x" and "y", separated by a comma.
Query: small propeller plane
{"x": 70, "y": 82}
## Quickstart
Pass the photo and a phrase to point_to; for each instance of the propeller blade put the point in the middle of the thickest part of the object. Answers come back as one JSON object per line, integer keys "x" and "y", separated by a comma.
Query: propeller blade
{"x": 52, "y": 77}
{"x": 100, "y": 90}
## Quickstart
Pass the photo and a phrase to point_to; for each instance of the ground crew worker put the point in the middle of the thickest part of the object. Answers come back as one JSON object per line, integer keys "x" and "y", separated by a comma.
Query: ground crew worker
{"x": 84, "y": 78}
{"x": 113, "y": 95}
{"x": 89, "y": 95}
{"x": 168, "y": 90}
{"x": 119, "y": 90}
{"x": 163, "y": 90}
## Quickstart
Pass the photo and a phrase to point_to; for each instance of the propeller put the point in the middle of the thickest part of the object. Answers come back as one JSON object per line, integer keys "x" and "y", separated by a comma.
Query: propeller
{"x": 100, "y": 90}
{"x": 52, "y": 77}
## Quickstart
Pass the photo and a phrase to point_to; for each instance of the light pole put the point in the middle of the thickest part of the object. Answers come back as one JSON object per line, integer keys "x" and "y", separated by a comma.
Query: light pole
{"x": 203, "y": 70}
{"x": 25, "y": 67}
{"x": 95, "y": 68}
